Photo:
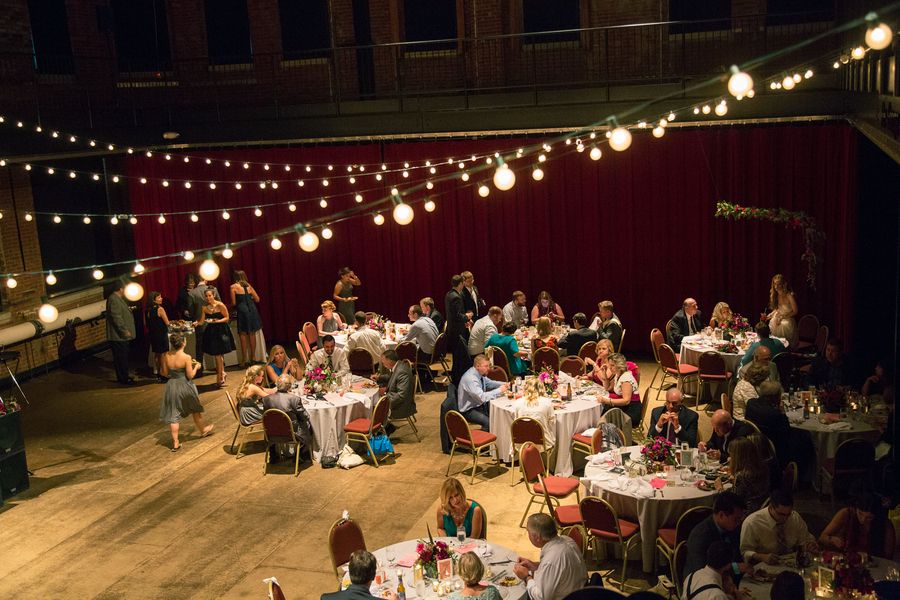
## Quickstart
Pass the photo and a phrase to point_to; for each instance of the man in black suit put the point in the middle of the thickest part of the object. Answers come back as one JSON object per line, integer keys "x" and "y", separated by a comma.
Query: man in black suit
{"x": 685, "y": 322}
{"x": 724, "y": 525}
{"x": 473, "y": 303}
{"x": 362, "y": 573}
{"x": 725, "y": 430}
{"x": 572, "y": 342}
{"x": 458, "y": 325}
{"x": 449, "y": 403}
{"x": 400, "y": 391}
{"x": 790, "y": 444}
{"x": 674, "y": 421}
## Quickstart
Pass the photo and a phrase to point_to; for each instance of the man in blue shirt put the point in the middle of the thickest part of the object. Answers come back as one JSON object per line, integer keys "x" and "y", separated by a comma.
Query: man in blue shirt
{"x": 762, "y": 330}
{"x": 476, "y": 392}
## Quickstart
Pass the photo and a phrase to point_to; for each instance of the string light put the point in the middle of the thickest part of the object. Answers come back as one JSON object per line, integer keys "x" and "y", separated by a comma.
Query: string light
{"x": 227, "y": 253}
{"x": 465, "y": 176}
{"x": 740, "y": 83}
{"x": 504, "y": 178}
{"x": 878, "y": 37}
{"x": 596, "y": 153}
{"x": 47, "y": 313}
{"x": 378, "y": 219}
{"x": 209, "y": 270}
{"x": 162, "y": 219}
{"x": 188, "y": 255}
{"x": 537, "y": 174}
{"x": 275, "y": 243}
{"x": 430, "y": 205}
{"x": 226, "y": 215}
{"x": 292, "y": 207}
{"x": 484, "y": 191}
{"x": 134, "y": 291}
{"x": 133, "y": 220}
{"x": 257, "y": 211}
{"x": 327, "y": 233}
{"x": 308, "y": 241}
{"x": 194, "y": 217}
{"x": 97, "y": 274}
{"x": 858, "y": 53}
{"x": 620, "y": 139}
{"x": 659, "y": 131}
{"x": 57, "y": 219}
{"x": 429, "y": 185}
{"x": 11, "y": 283}
{"x": 28, "y": 217}
{"x": 51, "y": 278}
{"x": 721, "y": 109}
{"x": 788, "y": 82}
{"x": 323, "y": 203}
{"x": 358, "y": 198}
{"x": 138, "y": 268}
{"x": 114, "y": 220}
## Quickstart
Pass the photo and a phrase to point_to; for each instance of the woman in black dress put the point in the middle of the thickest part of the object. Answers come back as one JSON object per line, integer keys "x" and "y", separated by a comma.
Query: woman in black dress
{"x": 244, "y": 298}
{"x": 217, "y": 339}
{"x": 343, "y": 293}
{"x": 158, "y": 325}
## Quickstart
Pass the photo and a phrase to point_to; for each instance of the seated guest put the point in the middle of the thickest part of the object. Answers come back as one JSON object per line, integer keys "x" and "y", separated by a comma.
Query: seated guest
{"x": 723, "y": 525}
{"x": 362, "y": 569}
{"x": 685, "y": 322}
{"x": 766, "y": 451}
{"x": 506, "y": 341}
{"x": 400, "y": 389}
{"x": 602, "y": 371}
{"x": 534, "y": 406}
{"x": 423, "y": 332}
{"x": 329, "y": 356}
{"x": 279, "y": 364}
{"x": 881, "y": 382}
{"x": 476, "y": 392}
{"x": 546, "y": 307}
{"x": 543, "y": 339}
{"x": 290, "y": 403}
{"x": 774, "y": 530}
{"x": 580, "y": 335}
{"x": 607, "y": 324}
{"x": 829, "y": 370}
{"x": 365, "y": 337}
{"x": 250, "y": 394}
{"x": 749, "y": 474}
{"x": 721, "y": 315}
{"x": 726, "y": 429}
{"x": 623, "y": 389}
{"x": 762, "y": 355}
{"x": 714, "y": 581}
{"x": 515, "y": 312}
{"x": 861, "y": 527}
{"x": 329, "y": 321}
{"x": 788, "y": 585}
{"x": 428, "y": 309}
{"x": 765, "y": 339}
{"x": 790, "y": 444}
{"x": 470, "y": 569}
{"x": 745, "y": 390}
{"x": 449, "y": 403}
{"x": 483, "y": 329}
{"x": 561, "y": 569}
{"x": 456, "y": 511}
{"x": 674, "y": 421}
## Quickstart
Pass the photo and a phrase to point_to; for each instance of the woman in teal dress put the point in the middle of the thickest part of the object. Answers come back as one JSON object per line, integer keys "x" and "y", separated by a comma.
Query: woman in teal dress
{"x": 506, "y": 341}
{"x": 181, "y": 398}
{"x": 458, "y": 511}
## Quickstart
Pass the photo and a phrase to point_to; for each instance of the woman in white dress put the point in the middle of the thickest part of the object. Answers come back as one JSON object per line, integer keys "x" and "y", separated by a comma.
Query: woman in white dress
{"x": 783, "y": 307}
{"x": 533, "y": 406}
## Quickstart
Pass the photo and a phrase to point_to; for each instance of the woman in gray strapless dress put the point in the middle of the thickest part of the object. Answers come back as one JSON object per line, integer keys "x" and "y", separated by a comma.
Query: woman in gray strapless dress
{"x": 181, "y": 397}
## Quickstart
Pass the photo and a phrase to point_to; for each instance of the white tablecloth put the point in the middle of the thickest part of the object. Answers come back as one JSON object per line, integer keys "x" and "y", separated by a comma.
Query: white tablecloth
{"x": 231, "y": 359}
{"x": 693, "y": 346}
{"x": 496, "y": 554}
{"x": 340, "y": 340}
{"x": 826, "y": 441}
{"x": 328, "y": 417}
{"x": 651, "y": 513}
{"x": 759, "y": 590}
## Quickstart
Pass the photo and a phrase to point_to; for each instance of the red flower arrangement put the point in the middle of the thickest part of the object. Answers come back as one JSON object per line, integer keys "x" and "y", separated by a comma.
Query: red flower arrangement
{"x": 429, "y": 553}
{"x": 832, "y": 399}
{"x": 659, "y": 450}
{"x": 737, "y": 324}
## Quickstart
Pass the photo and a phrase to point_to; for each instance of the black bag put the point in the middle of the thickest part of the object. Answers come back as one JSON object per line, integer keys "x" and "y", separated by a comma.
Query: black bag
{"x": 328, "y": 462}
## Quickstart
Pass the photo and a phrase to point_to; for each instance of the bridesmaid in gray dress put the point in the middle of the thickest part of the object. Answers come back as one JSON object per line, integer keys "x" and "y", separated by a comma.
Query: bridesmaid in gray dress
{"x": 343, "y": 294}
{"x": 181, "y": 398}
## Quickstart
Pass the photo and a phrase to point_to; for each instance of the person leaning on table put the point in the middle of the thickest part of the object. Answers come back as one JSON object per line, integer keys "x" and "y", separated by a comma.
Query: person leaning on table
{"x": 774, "y": 530}
{"x": 561, "y": 569}
{"x": 362, "y": 568}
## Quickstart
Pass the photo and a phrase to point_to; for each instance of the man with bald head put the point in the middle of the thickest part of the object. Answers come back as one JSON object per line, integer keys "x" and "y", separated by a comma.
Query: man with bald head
{"x": 685, "y": 322}
{"x": 763, "y": 355}
{"x": 725, "y": 429}
{"x": 674, "y": 421}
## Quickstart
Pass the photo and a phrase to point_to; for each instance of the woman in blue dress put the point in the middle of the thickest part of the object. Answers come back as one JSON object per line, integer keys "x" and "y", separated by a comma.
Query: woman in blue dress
{"x": 244, "y": 299}
{"x": 181, "y": 398}
{"x": 456, "y": 511}
{"x": 279, "y": 363}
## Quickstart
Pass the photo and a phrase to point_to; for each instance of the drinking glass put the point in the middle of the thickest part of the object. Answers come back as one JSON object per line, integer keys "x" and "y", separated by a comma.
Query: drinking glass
{"x": 391, "y": 556}
{"x": 686, "y": 476}
{"x": 461, "y": 535}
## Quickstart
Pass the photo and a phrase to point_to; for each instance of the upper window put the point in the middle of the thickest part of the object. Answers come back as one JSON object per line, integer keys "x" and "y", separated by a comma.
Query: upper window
{"x": 228, "y": 32}
{"x": 142, "y": 35}
{"x": 787, "y": 12}
{"x": 552, "y": 16}
{"x": 699, "y": 15}
{"x": 433, "y": 20}
{"x": 50, "y": 36}
{"x": 305, "y": 28}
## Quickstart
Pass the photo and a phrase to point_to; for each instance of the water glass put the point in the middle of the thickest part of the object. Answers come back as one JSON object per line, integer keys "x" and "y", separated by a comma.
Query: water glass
{"x": 461, "y": 535}
{"x": 391, "y": 556}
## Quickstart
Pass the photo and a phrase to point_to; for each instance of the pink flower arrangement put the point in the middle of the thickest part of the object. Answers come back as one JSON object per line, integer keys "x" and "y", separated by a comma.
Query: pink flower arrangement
{"x": 319, "y": 378}
{"x": 737, "y": 324}
{"x": 429, "y": 553}
{"x": 659, "y": 450}
{"x": 376, "y": 323}
{"x": 549, "y": 379}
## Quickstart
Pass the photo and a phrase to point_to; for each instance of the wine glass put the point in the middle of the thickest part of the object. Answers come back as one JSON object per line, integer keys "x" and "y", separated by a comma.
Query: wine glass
{"x": 391, "y": 556}
{"x": 686, "y": 476}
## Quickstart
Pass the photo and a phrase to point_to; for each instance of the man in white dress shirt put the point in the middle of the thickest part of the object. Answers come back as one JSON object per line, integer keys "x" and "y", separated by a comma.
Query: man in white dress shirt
{"x": 476, "y": 392}
{"x": 483, "y": 329}
{"x": 774, "y": 530}
{"x": 515, "y": 311}
{"x": 329, "y": 356}
{"x": 561, "y": 569}
{"x": 712, "y": 582}
{"x": 365, "y": 337}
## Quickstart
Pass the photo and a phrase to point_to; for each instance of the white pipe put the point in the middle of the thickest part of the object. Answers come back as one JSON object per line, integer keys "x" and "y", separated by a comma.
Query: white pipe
{"x": 17, "y": 333}
{"x": 25, "y": 331}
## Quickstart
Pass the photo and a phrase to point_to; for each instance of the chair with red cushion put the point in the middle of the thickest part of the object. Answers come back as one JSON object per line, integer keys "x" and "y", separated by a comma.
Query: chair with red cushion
{"x": 604, "y": 525}
{"x": 497, "y": 374}
{"x": 302, "y": 352}
{"x": 545, "y": 357}
{"x": 312, "y": 336}
{"x": 526, "y": 429}
{"x": 673, "y": 370}
{"x": 275, "y": 591}
{"x": 466, "y": 437}
{"x": 807, "y": 330}
{"x": 588, "y": 350}
{"x": 361, "y": 363}
{"x": 279, "y": 429}
{"x": 565, "y": 515}
{"x": 668, "y": 538}
{"x": 439, "y": 358}
{"x": 532, "y": 464}
{"x": 499, "y": 359}
{"x": 578, "y": 535}
{"x": 852, "y": 463}
{"x": 363, "y": 430}
{"x": 407, "y": 351}
{"x": 344, "y": 538}
{"x": 572, "y": 365}
{"x": 588, "y": 444}
{"x": 712, "y": 371}
{"x": 657, "y": 339}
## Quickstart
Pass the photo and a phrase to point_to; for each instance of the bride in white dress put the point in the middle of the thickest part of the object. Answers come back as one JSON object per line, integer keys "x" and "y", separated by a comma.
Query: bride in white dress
{"x": 783, "y": 307}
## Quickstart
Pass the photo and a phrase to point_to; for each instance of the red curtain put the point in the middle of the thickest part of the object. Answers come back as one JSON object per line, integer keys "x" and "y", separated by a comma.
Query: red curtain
{"x": 635, "y": 227}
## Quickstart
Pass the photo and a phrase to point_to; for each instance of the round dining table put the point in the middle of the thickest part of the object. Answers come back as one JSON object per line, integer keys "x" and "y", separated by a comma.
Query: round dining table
{"x": 693, "y": 346}
{"x": 826, "y": 437}
{"x": 638, "y": 499}
{"x": 498, "y": 561}
{"x": 390, "y": 341}
{"x": 761, "y": 590}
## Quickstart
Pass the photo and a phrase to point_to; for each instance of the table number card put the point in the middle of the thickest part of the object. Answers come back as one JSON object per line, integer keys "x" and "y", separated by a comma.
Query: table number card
{"x": 445, "y": 569}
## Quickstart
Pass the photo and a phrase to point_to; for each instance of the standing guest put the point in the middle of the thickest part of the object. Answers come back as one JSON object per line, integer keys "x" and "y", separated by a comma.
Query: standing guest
{"x": 788, "y": 585}
{"x": 534, "y": 406}
{"x": 783, "y": 310}
{"x": 829, "y": 370}
{"x": 423, "y": 332}
{"x": 250, "y": 395}
{"x": 400, "y": 389}
{"x": 181, "y": 398}
{"x": 602, "y": 371}
{"x": 713, "y": 581}
{"x": 217, "y": 338}
{"x": 674, "y": 421}
{"x": 476, "y": 392}
{"x": 428, "y": 309}
{"x": 244, "y": 298}
{"x": 765, "y": 339}
{"x": 726, "y": 429}
{"x": 470, "y": 569}
{"x": 861, "y": 527}
{"x": 458, "y": 325}
{"x": 774, "y": 530}
{"x": 607, "y": 324}
{"x": 685, "y": 322}
{"x": 580, "y": 335}
{"x": 623, "y": 389}
{"x": 544, "y": 337}
{"x": 365, "y": 337}
{"x": 749, "y": 474}
{"x": 362, "y": 569}
{"x": 279, "y": 364}
{"x": 184, "y": 304}
{"x": 483, "y": 329}
{"x": 455, "y": 511}
{"x": 546, "y": 307}
{"x": 515, "y": 312}
{"x": 506, "y": 341}
{"x": 561, "y": 569}
{"x": 158, "y": 326}
{"x": 723, "y": 525}
{"x": 119, "y": 331}
{"x": 329, "y": 321}
{"x": 746, "y": 389}
{"x": 198, "y": 301}
{"x": 329, "y": 356}
{"x": 343, "y": 293}
{"x": 289, "y": 403}
{"x": 473, "y": 303}
{"x": 721, "y": 315}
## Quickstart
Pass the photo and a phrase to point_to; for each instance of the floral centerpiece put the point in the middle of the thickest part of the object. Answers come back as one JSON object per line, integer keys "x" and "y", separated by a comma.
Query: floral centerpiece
{"x": 319, "y": 379}
{"x": 736, "y": 324}
{"x": 376, "y": 322}
{"x": 430, "y": 552}
{"x": 850, "y": 575}
{"x": 658, "y": 452}
{"x": 831, "y": 399}
{"x": 727, "y": 347}
{"x": 549, "y": 379}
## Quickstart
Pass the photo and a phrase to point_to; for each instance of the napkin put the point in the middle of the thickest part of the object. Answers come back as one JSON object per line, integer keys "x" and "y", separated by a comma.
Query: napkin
{"x": 408, "y": 560}
{"x": 636, "y": 487}
{"x": 599, "y": 459}
{"x": 355, "y": 396}
{"x": 839, "y": 426}
{"x": 589, "y": 432}
{"x": 470, "y": 547}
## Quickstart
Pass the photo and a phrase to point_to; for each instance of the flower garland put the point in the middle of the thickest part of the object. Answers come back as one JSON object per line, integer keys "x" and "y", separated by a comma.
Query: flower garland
{"x": 791, "y": 219}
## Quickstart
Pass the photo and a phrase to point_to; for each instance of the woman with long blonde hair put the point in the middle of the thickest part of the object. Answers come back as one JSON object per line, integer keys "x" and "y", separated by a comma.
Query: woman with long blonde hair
{"x": 544, "y": 337}
{"x": 602, "y": 371}
{"x": 250, "y": 394}
{"x": 457, "y": 511}
{"x": 721, "y": 314}
{"x": 749, "y": 473}
{"x": 783, "y": 310}
{"x": 534, "y": 406}
{"x": 279, "y": 363}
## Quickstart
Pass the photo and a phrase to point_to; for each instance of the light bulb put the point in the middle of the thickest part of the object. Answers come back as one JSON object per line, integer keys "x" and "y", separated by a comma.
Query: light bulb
{"x": 275, "y": 243}
{"x": 836, "y": 65}
{"x": 51, "y": 279}
{"x": 464, "y": 177}
{"x": 663, "y": 122}
{"x": 596, "y": 153}
{"x": 28, "y": 217}
{"x": 429, "y": 185}
{"x": 133, "y": 220}
{"x": 751, "y": 93}
{"x": 194, "y": 217}
{"x": 162, "y": 219}
{"x": 188, "y": 255}
{"x": 292, "y": 207}
{"x": 209, "y": 270}
{"x": 844, "y": 58}
{"x": 808, "y": 74}
{"x": 97, "y": 274}
{"x": 739, "y": 83}
{"x": 858, "y": 53}
{"x": 352, "y": 180}
{"x": 138, "y": 268}
{"x": 620, "y": 139}
{"x": 403, "y": 214}
{"x": 797, "y": 78}
{"x": 484, "y": 191}
{"x": 879, "y": 37}
{"x": 11, "y": 283}
{"x": 658, "y": 131}
{"x": 721, "y": 109}
{"x": 504, "y": 178}
{"x": 86, "y": 220}
{"x": 309, "y": 241}
{"x": 378, "y": 219}
{"x": 358, "y": 198}
{"x": 537, "y": 174}
{"x": 541, "y": 158}
{"x": 378, "y": 177}
{"x": 788, "y": 83}
{"x": 671, "y": 116}
{"x": 47, "y": 313}
{"x": 134, "y": 291}
{"x": 696, "y": 110}
{"x": 227, "y": 253}
{"x": 430, "y": 206}
{"x": 258, "y": 212}
{"x": 706, "y": 109}
{"x": 327, "y": 233}
{"x": 114, "y": 220}
{"x": 323, "y": 203}
{"x": 57, "y": 219}
{"x": 579, "y": 147}
{"x": 225, "y": 215}
{"x": 395, "y": 192}
{"x": 325, "y": 182}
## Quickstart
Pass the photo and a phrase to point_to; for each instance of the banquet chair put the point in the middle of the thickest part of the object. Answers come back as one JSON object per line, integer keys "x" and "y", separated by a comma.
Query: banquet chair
{"x": 668, "y": 538}
{"x": 726, "y": 403}
{"x": 411, "y": 419}
{"x": 672, "y": 369}
{"x": 255, "y": 427}
{"x": 852, "y": 463}
{"x": 537, "y": 480}
{"x": 572, "y": 365}
{"x": 275, "y": 591}
{"x": 312, "y": 336}
{"x": 361, "y": 363}
{"x": 344, "y": 538}
{"x": 464, "y": 436}
{"x": 622, "y": 421}
{"x": 679, "y": 559}
{"x": 304, "y": 357}
{"x": 545, "y": 357}
{"x": 621, "y": 340}
{"x": 498, "y": 358}
{"x": 789, "y": 477}
{"x": 526, "y": 429}
{"x": 712, "y": 370}
{"x": 753, "y": 425}
{"x": 407, "y": 351}
{"x": 497, "y": 374}
{"x": 784, "y": 362}
{"x": 604, "y": 525}
{"x": 656, "y": 340}
{"x": 588, "y": 350}
{"x": 578, "y": 535}
{"x": 565, "y": 515}
{"x": 439, "y": 357}
{"x": 807, "y": 330}
{"x": 279, "y": 429}
{"x": 363, "y": 430}
{"x": 803, "y": 360}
